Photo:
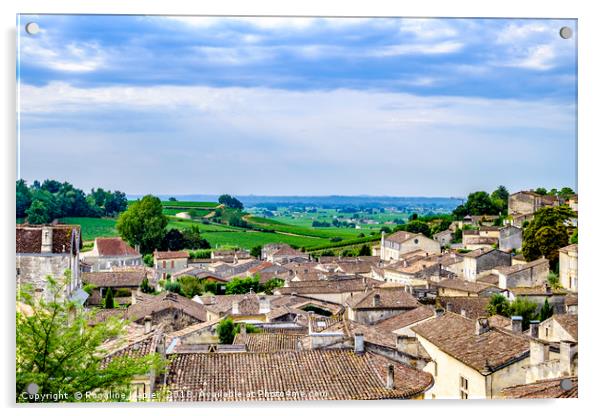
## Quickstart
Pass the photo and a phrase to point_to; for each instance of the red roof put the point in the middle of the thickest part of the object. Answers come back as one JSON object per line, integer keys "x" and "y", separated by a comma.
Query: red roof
{"x": 165, "y": 255}
{"x": 114, "y": 247}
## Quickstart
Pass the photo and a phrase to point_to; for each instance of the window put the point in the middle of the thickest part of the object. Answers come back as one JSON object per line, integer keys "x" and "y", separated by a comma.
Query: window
{"x": 463, "y": 388}
{"x": 172, "y": 264}
{"x": 164, "y": 264}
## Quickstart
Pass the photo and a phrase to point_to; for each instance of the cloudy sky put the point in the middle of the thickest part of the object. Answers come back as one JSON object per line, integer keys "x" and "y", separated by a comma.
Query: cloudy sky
{"x": 297, "y": 106}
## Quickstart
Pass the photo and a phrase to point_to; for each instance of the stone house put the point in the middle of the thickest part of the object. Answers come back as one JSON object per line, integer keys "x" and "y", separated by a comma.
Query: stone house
{"x": 401, "y": 242}
{"x": 171, "y": 310}
{"x": 528, "y": 202}
{"x": 380, "y": 303}
{"x": 483, "y": 260}
{"x": 532, "y": 274}
{"x": 444, "y": 238}
{"x": 48, "y": 250}
{"x": 511, "y": 238}
{"x": 109, "y": 253}
{"x": 471, "y": 359}
{"x": 329, "y": 290}
{"x": 169, "y": 262}
{"x": 567, "y": 257}
{"x": 539, "y": 295}
{"x": 461, "y": 288}
{"x": 559, "y": 327}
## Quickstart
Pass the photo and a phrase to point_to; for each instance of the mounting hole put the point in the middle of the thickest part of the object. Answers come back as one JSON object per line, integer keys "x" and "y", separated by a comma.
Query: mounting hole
{"x": 566, "y": 32}
{"x": 32, "y": 28}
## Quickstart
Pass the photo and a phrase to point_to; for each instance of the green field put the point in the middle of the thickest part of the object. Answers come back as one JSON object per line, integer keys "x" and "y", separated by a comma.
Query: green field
{"x": 93, "y": 227}
{"x": 251, "y": 239}
{"x": 307, "y": 230}
{"x": 190, "y": 204}
{"x": 192, "y": 211}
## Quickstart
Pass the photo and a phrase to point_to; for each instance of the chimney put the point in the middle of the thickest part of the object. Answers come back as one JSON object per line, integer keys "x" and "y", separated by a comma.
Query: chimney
{"x": 481, "y": 326}
{"x": 517, "y": 324}
{"x": 567, "y": 352}
{"x": 46, "y": 240}
{"x": 148, "y": 324}
{"x": 390, "y": 377}
{"x": 235, "y": 307}
{"x": 534, "y": 329}
{"x": 243, "y": 328}
{"x": 376, "y": 300}
{"x": 439, "y": 312}
{"x": 539, "y": 352}
{"x": 264, "y": 305}
{"x": 463, "y": 312}
{"x": 359, "y": 343}
{"x": 448, "y": 307}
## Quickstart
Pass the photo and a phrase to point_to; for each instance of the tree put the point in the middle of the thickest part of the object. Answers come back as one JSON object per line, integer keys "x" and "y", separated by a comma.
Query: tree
{"x": 553, "y": 280}
{"x": 385, "y": 229}
{"x": 230, "y": 202}
{"x": 225, "y": 331}
{"x": 419, "y": 227}
{"x": 365, "y": 250}
{"x": 413, "y": 217}
{"x": 478, "y": 203}
{"x": 240, "y": 286}
{"x": 256, "y": 251}
{"x": 566, "y": 193}
{"x": 190, "y": 286}
{"x": 23, "y": 198}
{"x": 574, "y": 237}
{"x": 498, "y": 305}
{"x": 173, "y": 287}
{"x": 546, "y": 311}
{"x": 541, "y": 191}
{"x": 524, "y": 308}
{"x": 60, "y": 352}
{"x": 546, "y": 234}
{"x": 172, "y": 199}
{"x": 109, "y": 302}
{"x": 173, "y": 240}
{"x": 193, "y": 239}
{"x": 499, "y": 198}
{"x": 148, "y": 259}
{"x": 269, "y": 286}
{"x": 143, "y": 224}
{"x": 37, "y": 213}
{"x": 145, "y": 286}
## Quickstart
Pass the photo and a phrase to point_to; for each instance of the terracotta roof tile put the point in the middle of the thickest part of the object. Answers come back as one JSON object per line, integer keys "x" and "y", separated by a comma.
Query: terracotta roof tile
{"x": 114, "y": 279}
{"x": 303, "y": 375}
{"x": 168, "y": 255}
{"x": 546, "y": 389}
{"x": 269, "y": 342}
{"x": 29, "y": 238}
{"x": 384, "y": 298}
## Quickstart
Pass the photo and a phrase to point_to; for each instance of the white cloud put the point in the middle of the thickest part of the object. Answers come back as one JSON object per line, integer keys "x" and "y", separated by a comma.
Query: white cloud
{"x": 428, "y": 28}
{"x": 419, "y": 49}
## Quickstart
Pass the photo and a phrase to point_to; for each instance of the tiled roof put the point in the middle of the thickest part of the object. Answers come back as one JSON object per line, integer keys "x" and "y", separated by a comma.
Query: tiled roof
{"x": 569, "y": 322}
{"x": 462, "y": 285}
{"x": 455, "y": 335}
{"x": 165, "y": 301}
{"x": 168, "y": 255}
{"x": 112, "y": 247}
{"x": 571, "y": 300}
{"x": 401, "y": 236}
{"x": 508, "y": 270}
{"x": 482, "y": 240}
{"x": 546, "y": 389}
{"x": 269, "y": 342}
{"x": 478, "y": 252}
{"x": 133, "y": 346}
{"x": 537, "y": 291}
{"x": 490, "y": 279}
{"x": 351, "y": 284}
{"x": 570, "y": 248}
{"x": 474, "y": 306}
{"x": 302, "y": 375}
{"x": 500, "y": 321}
{"x": 406, "y": 318}
{"x": 29, "y": 238}
{"x": 384, "y": 298}
{"x": 114, "y": 279}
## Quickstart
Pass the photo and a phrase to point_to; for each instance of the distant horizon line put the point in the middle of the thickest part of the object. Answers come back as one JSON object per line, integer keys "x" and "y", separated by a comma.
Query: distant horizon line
{"x": 294, "y": 195}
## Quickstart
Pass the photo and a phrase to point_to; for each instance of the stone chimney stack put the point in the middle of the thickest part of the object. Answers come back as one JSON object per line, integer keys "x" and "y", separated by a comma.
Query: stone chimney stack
{"x": 46, "y": 240}
{"x": 148, "y": 324}
{"x": 359, "y": 343}
{"x": 567, "y": 352}
{"x": 235, "y": 310}
{"x": 390, "y": 377}
{"x": 534, "y": 329}
{"x": 376, "y": 300}
{"x": 481, "y": 326}
{"x": 538, "y": 352}
{"x": 517, "y": 324}
{"x": 264, "y": 304}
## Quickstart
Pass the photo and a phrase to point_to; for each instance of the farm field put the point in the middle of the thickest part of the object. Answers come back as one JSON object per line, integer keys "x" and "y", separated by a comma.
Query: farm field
{"x": 250, "y": 239}
{"x": 93, "y": 227}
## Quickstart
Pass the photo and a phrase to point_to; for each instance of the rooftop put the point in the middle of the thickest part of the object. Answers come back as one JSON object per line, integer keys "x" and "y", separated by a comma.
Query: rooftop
{"x": 546, "y": 389}
{"x": 113, "y": 247}
{"x": 29, "y": 238}
{"x": 114, "y": 279}
{"x": 168, "y": 255}
{"x": 302, "y": 375}
{"x": 384, "y": 298}
{"x": 269, "y": 341}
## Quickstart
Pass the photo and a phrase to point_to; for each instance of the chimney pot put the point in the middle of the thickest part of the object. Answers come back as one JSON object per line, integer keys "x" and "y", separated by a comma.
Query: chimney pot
{"x": 534, "y": 329}
{"x": 148, "y": 324}
{"x": 359, "y": 343}
{"x": 517, "y": 324}
{"x": 439, "y": 312}
{"x": 481, "y": 326}
{"x": 390, "y": 377}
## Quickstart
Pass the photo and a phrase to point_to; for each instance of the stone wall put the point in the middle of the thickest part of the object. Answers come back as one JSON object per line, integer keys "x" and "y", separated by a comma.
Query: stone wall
{"x": 33, "y": 269}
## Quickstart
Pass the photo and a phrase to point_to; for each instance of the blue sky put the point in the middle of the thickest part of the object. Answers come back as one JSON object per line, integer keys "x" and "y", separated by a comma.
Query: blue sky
{"x": 298, "y": 106}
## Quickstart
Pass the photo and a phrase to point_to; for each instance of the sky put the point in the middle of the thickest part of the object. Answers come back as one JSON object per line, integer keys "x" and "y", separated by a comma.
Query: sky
{"x": 297, "y": 106}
